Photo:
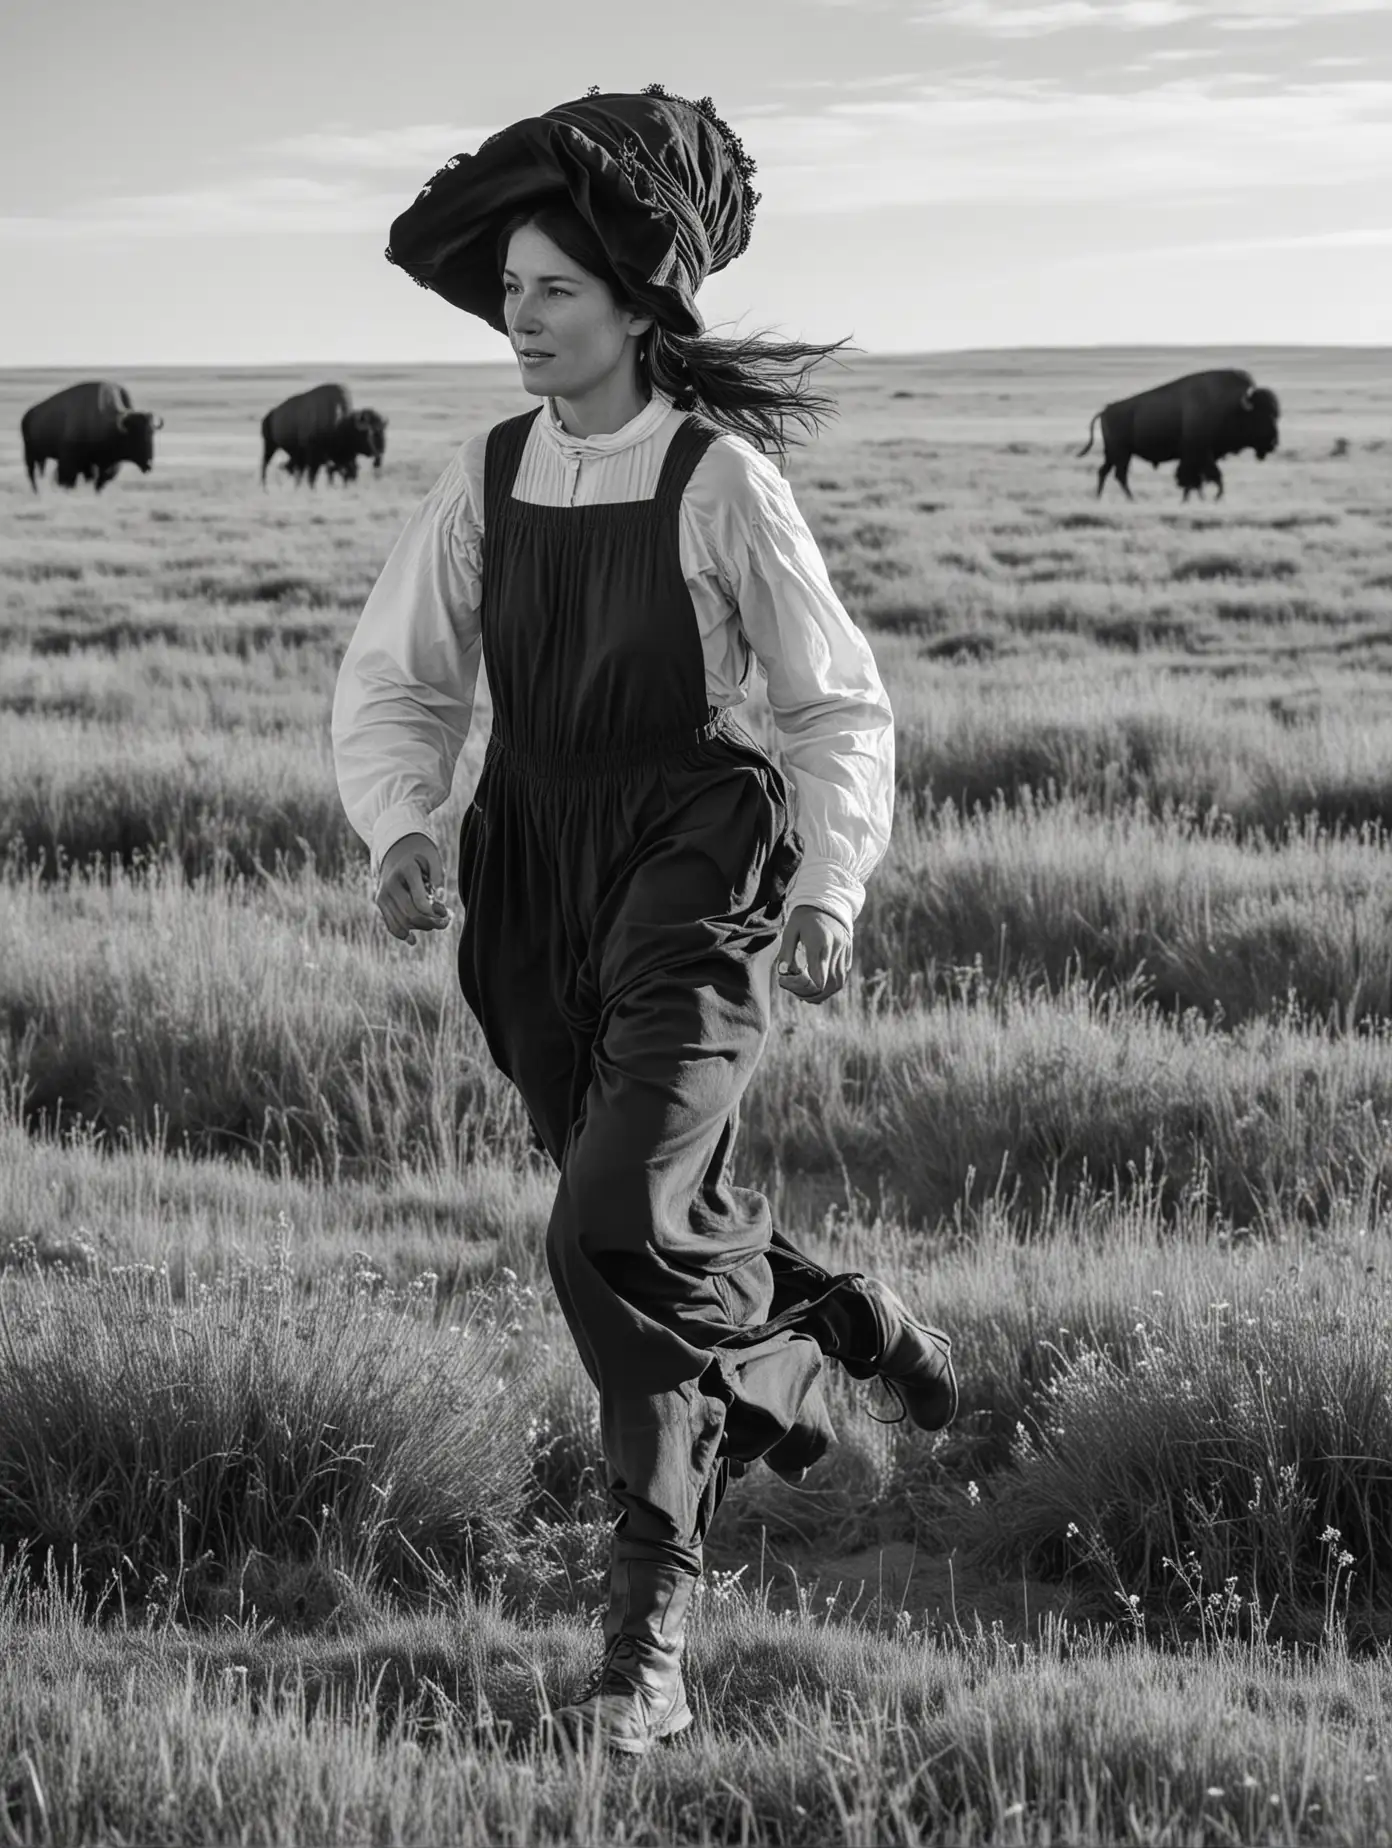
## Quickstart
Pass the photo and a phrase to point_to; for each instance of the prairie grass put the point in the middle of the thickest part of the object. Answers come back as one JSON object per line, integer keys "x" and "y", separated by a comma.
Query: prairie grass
{"x": 425, "y": 1730}
{"x": 73, "y": 791}
{"x": 206, "y": 1448}
{"x": 1111, "y": 1099}
{"x": 1257, "y": 746}
{"x": 1236, "y": 927}
{"x": 1043, "y": 1094}
{"x": 82, "y": 1199}
{"x": 280, "y": 1022}
{"x": 1265, "y": 1415}
{"x": 231, "y": 1025}
{"x": 199, "y": 687}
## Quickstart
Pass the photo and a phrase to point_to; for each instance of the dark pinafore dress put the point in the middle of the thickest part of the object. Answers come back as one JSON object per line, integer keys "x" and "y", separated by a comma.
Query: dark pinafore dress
{"x": 623, "y": 869}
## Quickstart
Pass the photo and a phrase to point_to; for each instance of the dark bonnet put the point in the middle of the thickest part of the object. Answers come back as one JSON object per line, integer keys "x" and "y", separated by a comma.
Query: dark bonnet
{"x": 664, "y": 184}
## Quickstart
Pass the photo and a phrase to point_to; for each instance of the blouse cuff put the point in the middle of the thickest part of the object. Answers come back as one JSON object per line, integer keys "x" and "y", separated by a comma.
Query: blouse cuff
{"x": 830, "y": 888}
{"x": 393, "y": 824}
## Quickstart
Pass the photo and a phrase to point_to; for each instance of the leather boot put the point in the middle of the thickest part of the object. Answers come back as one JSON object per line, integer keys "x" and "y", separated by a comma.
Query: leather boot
{"x": 638, "y": 1696}
{"x": 869, "y": 1329}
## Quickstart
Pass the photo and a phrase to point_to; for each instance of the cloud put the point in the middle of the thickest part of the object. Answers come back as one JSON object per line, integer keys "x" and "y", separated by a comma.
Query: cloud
{"x": 270, "y": 203}
{"x": 419, "y": 148}
{"x": 1359, "y": 237}
{"x": 278, "y": 202}
{"x": 1044, "y": 16}
{"x": 966, "y": 138}
{"x": 1020, "y": 140}
{"x": 1035, "y": 18}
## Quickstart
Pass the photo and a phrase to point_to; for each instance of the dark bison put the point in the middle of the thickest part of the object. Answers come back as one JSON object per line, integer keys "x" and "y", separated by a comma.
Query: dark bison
{"x": 89, "y": 430}
{"x": 360, "y": 433}
{"x": 320, "y": 429}
{"x": 1193, "y": 421}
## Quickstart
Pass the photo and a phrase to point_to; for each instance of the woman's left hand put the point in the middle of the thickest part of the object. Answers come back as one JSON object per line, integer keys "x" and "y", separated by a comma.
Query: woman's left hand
{"x": 826, "y": 954}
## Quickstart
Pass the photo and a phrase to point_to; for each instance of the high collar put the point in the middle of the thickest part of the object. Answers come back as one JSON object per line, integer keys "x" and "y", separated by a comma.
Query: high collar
{"x": 612, "y": 441}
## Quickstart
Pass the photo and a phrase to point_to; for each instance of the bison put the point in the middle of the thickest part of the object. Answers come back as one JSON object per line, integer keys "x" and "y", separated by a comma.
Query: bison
{"x": 88, "y": 430}
{"x": 320, "y": 429}
{"x": 360, "y": 433}
{"x": 1193, "y": 421}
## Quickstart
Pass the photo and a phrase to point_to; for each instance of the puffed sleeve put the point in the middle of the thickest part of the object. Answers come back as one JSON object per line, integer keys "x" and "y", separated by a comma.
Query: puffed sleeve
{"x": 405, "y": 692}
{"x": 833, "y": 716}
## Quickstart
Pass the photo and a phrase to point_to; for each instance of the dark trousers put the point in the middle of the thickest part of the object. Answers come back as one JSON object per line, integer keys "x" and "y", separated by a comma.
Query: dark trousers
{"x": 632, "y": 1023}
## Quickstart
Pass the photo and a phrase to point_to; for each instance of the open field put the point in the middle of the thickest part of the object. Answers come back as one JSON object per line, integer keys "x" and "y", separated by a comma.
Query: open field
{"x": 286, "y": 1408}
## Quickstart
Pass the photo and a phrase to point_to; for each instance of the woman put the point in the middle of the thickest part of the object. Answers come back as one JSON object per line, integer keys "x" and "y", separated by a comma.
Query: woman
{"x": 629, "y": 864}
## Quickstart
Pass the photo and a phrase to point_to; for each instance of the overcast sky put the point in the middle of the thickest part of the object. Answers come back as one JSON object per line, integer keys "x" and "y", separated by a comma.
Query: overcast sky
{"x": 186, "y": 182}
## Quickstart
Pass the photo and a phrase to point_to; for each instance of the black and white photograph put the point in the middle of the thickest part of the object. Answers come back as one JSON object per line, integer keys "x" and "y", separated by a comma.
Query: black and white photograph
{"x": 695, "y": 923}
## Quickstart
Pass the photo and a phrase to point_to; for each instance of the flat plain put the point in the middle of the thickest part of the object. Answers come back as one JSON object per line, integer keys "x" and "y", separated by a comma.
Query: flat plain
{"x": 300, "y": 1499}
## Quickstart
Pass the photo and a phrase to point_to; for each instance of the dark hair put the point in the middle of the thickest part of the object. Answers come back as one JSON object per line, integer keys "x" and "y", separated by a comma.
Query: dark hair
{"x": 751, "y": 385}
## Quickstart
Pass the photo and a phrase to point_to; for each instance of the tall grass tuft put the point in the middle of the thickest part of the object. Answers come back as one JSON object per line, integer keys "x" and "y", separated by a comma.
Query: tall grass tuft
{"x": 198, "y": 1453}
{"x": 1226, "y": 1453}
{"x": 1042, "y": 1095}
{"x": 1237, "y": 927}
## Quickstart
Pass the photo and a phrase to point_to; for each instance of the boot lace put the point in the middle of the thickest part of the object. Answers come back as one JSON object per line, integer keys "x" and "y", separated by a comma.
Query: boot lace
{"x": 898, "y": 1399}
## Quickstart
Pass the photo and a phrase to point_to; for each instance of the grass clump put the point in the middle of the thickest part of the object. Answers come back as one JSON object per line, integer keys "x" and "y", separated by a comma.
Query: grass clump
{"x": 1224, "y": 1455}
{"x": 1044, "y": 1095}
{"x": 245, "y": 1019}
{"x": 73, "y": 792}
{"x": 1256, "y": 746}
{"x": 252, "y": 1444}
{"x": 1033, "y": 1097}
{"x": 1235, "y": 928}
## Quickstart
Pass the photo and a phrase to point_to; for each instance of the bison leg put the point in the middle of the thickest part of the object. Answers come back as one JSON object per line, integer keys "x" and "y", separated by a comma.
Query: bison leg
{"x": 1102, "y": 475}
{"x": 1215, "y": 474}
{"x": 1123, "y": 469}
{"x": 269, "y": 451}
{"x": 34, "y": 467}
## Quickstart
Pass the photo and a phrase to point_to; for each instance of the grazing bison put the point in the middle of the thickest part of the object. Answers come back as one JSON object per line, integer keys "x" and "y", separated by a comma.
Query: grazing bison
{"x": 88, "y": 430}
{"x": 1193, "y": 421}
{"x": 320, "y": 429}
{"x": 360, "y": 433}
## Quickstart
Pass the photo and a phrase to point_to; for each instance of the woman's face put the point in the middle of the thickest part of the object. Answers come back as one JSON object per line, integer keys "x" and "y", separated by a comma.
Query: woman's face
{"x": 566, "y": 329}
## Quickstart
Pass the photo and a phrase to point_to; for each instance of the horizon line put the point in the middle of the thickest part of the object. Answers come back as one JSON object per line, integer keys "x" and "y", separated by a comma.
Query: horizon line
{"x": 892, "y": 353}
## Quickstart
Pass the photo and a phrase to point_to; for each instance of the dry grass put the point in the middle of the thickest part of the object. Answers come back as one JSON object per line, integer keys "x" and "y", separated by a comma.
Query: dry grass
{"x": 1118, "y": 1057}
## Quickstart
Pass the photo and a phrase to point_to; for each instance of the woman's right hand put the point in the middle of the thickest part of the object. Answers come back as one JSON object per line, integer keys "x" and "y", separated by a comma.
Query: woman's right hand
{"x": 411, "y": 887}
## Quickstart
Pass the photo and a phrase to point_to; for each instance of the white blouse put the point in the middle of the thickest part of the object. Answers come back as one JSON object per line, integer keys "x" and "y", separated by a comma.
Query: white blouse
{"x": 760, "y": 591}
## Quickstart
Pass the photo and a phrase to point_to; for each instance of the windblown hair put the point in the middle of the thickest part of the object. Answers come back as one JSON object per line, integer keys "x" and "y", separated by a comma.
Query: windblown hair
{"x": 750, "y": 385}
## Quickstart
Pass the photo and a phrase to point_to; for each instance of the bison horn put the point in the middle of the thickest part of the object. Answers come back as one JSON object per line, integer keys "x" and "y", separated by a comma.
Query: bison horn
{"x": 157, "y": 423}
{"x": 1248, "y": 396}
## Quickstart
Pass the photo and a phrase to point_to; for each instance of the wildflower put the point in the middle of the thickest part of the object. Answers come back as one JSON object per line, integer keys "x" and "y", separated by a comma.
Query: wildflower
{"x": 973, "y": 1494}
